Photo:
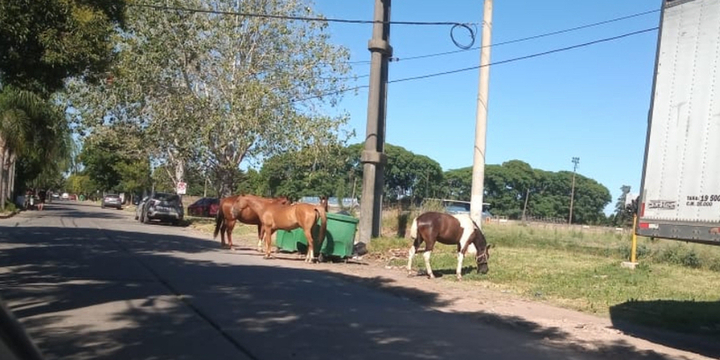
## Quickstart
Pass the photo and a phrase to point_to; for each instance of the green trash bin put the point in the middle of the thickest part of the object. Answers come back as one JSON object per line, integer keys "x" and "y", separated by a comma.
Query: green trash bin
{"x": 339, "y": 238}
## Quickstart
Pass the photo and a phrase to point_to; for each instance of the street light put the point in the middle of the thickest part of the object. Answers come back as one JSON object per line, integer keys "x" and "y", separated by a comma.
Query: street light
{"x": 575, "y": 161}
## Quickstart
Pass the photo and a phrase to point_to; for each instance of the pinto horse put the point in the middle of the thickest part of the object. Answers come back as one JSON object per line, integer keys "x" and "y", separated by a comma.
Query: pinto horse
{"x": 228, "y": 214}
{"x": 275, "y": 216}
{"x": 447, "y": 229}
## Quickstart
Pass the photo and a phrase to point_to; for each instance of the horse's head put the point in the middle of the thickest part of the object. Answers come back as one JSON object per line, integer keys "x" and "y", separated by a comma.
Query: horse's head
{"x": 483, "y": 251}
{"x": 324, "y": 202}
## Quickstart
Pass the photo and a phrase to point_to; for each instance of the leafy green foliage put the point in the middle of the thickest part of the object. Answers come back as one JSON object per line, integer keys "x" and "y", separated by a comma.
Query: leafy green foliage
{"x": 339, "y": 173}
{"x": 624, "y": 214}
{"x": 507, "y": 185}
{"x": 459, "y": 183}
{"x": 35, "y": 142}
{"x": 42, "y": 42}
{"x": 80, "y": 184}
{"x": 217, "y": 89}
{"x": 111, "y": 167}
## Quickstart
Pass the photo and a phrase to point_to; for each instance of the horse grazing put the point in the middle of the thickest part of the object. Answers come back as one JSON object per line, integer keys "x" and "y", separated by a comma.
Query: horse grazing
{"x": 274, "y": 216}
{"x": 228, "y": 214}
{"x": 447, "y": 229}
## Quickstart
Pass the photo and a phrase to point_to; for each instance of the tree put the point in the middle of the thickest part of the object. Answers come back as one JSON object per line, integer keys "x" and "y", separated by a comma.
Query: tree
{"x": 507, "y": 185}
{"x": 34, "y": 140}
{"x": 220, "y": 89}
{"x": 623, "y": 214}
{"x": 304, "y": 173}
{"x": 42, "y": 42}
{"x": 110, "y": 166}
{"x": 458, "y": 183}
{"x": 80, "y": 184}
{"x": 408, "y": 175}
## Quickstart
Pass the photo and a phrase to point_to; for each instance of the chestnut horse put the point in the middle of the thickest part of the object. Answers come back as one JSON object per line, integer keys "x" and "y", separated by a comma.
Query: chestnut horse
{"x": 275, "y": 216}
{"x": 447, "y": 229}
{"x": 228, "y": 214}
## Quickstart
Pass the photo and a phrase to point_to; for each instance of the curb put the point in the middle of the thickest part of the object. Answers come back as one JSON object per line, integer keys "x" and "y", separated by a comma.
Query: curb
{"x": 9, "y": 215}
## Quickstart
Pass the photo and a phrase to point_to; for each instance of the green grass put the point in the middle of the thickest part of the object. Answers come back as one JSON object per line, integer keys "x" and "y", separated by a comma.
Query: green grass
{"x": 675, "y": 286}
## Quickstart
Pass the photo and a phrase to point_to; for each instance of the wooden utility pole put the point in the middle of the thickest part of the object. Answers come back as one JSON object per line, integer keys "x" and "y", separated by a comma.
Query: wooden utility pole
{"x": 527, "y": 196}
{"x": 478, "y": 174}
{"x": 373, "y": 156}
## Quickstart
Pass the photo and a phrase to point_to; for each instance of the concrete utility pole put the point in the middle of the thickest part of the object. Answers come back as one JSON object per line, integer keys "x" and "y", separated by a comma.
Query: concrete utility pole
{"x": 478, "y": 176}
{"x": 373, "y": 157}
{"x": 575, "y": 161}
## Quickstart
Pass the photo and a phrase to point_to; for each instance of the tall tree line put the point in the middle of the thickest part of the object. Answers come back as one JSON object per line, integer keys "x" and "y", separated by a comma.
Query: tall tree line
{"x": 42, "y": 43}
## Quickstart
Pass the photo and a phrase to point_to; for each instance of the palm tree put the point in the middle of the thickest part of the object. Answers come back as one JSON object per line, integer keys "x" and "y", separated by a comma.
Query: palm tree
{"x": 32, "y": 128}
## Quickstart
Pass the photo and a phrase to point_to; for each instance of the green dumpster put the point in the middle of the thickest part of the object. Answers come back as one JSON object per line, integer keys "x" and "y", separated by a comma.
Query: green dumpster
{"x": 339, "y": 238}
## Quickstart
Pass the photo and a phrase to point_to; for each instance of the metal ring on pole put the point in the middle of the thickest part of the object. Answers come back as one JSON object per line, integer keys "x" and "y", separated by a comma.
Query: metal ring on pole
{"x": 470, "y": 31}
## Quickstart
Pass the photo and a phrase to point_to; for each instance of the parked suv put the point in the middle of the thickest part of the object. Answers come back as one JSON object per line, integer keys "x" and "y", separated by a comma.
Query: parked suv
{"x": 160, "y": 206}
{"x": 111, "y": 200}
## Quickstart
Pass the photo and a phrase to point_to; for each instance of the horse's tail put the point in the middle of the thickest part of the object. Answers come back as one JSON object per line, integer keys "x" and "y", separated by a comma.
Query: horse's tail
{"x": 219, "y": 218}
{"x": 413, "y": 229}
{"x": 323, "y": 225}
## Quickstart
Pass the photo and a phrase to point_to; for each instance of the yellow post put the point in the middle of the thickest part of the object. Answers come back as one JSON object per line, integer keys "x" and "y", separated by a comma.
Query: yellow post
{"x": 633, "y": 258}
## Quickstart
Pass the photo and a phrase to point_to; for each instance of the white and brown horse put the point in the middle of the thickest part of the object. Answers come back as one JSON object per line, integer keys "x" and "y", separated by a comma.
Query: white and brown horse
{"x": 460, "y": 230}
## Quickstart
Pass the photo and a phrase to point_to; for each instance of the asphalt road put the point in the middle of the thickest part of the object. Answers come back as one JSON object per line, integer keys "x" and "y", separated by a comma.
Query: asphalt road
{"x": 91, "y": 283}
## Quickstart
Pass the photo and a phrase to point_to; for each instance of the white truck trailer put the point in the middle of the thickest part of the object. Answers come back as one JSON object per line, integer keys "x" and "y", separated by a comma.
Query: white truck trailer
{"x": 680, "y": 190}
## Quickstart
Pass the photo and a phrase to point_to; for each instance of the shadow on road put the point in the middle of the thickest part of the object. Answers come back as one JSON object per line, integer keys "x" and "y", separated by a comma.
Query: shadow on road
{"x": 174, "y": 293}
{"x": 697, "y": 321}
{"x": 77, "y": 210}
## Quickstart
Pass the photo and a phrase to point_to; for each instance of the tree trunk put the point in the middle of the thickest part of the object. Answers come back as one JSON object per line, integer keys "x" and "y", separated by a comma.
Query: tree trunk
{"x": 11, "y": 177}
{"x": 3, "y": 177}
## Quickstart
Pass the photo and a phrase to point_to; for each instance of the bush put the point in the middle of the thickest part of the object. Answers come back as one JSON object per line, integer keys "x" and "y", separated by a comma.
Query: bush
{"x": 10, "y": 207}
{"x": 679, "y": 255}
{"x": 641, "y": 251}
{"x": 715, "y": 265}
{"x": 691, "y": 260}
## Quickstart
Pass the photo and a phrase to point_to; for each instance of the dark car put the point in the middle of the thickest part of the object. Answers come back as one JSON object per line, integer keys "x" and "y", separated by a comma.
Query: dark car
{"x": 204, "y": 207}
{"x": 111, "y": 200}
{"x": 160, "y": 206}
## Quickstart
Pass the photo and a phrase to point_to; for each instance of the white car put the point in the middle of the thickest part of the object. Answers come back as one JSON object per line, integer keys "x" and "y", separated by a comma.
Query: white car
{"x": 65, "y": 196}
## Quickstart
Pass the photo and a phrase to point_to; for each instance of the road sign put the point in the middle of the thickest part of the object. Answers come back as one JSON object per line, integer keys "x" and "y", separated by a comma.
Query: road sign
{"x": 181, "y": 188}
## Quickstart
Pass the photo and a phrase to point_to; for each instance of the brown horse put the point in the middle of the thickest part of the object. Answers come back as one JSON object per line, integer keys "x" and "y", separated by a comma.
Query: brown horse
{"x": 274, "y": 216}
{"x": 447, "y": 229}
{"x": 228, "y": 214}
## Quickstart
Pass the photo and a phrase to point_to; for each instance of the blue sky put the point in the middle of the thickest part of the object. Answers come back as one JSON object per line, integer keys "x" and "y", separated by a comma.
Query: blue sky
{"x": 590, "y": 102}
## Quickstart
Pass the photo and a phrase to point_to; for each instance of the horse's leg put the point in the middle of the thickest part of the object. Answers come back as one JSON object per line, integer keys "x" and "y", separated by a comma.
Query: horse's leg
{"x": 222, "y": 235}
{"x": 429, "y": 244}
{"x": 427, "y": 255}
{"x": 268, "y": 240}
{"x": 412, "y": 251}
{"x": 229, "y": 226}
{"x": 460, "y": 257}
{"x": 311, "y": 244}
{"x": 260, "y": 238}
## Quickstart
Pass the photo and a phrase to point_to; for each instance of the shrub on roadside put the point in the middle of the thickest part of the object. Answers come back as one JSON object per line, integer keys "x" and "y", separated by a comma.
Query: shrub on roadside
{"x": 10, "y": 207}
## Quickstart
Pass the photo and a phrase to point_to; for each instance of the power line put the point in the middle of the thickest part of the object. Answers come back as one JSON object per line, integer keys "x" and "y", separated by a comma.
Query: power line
{"x": 528, "y": 56}
{"x": 491, "y": 64}
{"x": 533, "y": 37}
{"x": 299, "y": 18}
